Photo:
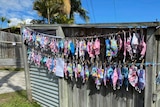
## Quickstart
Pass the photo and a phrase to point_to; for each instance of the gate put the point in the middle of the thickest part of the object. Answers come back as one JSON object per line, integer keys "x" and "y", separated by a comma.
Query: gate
{"x": 41, "y": 86}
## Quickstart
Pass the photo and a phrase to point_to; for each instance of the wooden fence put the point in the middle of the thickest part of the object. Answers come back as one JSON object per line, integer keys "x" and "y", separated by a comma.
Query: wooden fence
{"x": 10, "y": 49}
{"x": 71, "y": 94}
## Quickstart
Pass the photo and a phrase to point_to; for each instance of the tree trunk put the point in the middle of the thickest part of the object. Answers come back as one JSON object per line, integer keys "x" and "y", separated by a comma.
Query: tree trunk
{"x": 48, "y": 15}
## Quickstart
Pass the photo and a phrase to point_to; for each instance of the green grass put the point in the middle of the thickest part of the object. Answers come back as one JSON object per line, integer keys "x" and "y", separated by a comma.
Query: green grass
{"x": 16, "y": 99}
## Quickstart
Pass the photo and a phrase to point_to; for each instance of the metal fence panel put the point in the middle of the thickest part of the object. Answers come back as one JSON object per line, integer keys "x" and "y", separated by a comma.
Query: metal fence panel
{"x": 44, "y": 87}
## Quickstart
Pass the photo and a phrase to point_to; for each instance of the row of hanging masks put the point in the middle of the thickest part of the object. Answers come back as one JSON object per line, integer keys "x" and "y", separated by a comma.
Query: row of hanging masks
{"x": 114, "y": 75}
{"x": 66, "y": 47}
{"x": 131, "y": 44}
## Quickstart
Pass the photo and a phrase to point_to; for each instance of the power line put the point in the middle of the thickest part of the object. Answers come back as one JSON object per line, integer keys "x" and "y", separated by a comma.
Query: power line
{"x": 88, "y": 8}
{"x": 94, "y": 19}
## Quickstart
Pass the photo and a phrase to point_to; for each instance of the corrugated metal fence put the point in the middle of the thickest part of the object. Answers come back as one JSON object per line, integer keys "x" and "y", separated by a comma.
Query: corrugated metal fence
{"x": 44, "y": 87}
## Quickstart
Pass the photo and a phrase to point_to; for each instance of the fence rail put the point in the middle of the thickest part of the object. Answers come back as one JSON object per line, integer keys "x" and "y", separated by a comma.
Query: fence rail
{"x": 10, "y": 49}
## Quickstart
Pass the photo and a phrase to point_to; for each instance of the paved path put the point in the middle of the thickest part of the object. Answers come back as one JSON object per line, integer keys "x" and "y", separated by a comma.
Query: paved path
{"x": 11, "y": 81}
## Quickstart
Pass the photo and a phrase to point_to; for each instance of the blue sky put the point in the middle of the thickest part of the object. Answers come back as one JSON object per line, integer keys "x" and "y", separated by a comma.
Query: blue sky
{"x": 100, "y": 11}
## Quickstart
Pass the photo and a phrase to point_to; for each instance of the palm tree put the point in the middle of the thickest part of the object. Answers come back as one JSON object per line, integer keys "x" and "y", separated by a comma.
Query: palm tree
{"x": 3, "y": 19}
{"x": 76, "y": 7}
{"x": 66, "y": 7}
{"x": 48, "y": 8}
{"x": 60, "y": 11}
{"x": 8, "y": 21}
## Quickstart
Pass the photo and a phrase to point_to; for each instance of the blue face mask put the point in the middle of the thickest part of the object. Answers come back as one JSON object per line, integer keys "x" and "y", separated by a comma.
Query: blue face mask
{"x": 141, "y": 79}
{"x": 61, "y": 44}
{"x": 109, "y": 72}
{"x": 52, "y": 64}
{"x": 125, "y": 75}
{"x": 72, "y": 48}
{"x": 125, "y": 72}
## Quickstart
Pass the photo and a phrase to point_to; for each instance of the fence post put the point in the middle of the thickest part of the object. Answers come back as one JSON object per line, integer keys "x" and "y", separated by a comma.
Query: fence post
{"x": 150, "y": 71}
{"x": 63, "y": 87}
{"x": 26, "y": 68}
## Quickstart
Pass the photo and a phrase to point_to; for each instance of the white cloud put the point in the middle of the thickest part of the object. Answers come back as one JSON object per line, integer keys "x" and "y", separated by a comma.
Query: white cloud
{"x": 16, "y": 5}
{"x": 17, "y": 9}
{"x": 16, "y": 21}
{"x": 28, "y": 21}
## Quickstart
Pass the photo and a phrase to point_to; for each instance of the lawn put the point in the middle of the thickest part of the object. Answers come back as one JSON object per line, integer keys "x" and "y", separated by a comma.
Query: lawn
{"x": 16, "y": 99}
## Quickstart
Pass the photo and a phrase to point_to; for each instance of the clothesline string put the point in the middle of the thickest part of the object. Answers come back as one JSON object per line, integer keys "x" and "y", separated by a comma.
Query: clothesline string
{"x": 95, "y": 36}
{"x": 60, "y": 37}
{"x": 138, "y": 64}
{"x": 107, "y": 35}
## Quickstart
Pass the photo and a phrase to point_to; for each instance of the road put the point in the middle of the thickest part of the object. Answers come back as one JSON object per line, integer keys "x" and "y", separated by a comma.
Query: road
{"x": 11, "y": 81}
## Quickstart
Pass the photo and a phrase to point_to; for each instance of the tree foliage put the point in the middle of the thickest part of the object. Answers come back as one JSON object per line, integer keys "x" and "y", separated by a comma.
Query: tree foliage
{"x": 60, "y": 11}
{"x": 3, "y": 19}
{"x": 76, "y": 7}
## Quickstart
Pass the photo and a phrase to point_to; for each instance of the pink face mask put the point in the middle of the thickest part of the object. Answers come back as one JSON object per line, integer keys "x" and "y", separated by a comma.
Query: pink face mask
{"x": 132, "y": 76}
{"x": 114, "y": 78}
{"x": 48, "y": 63}
{"x": 65, "y": 70}
{"x": 128, "y": 45}
{"x": 39, "y": 57}
{"x": 90, "y": 50}
{"x": 124, "y": 52}
{"x": 97, "y": 46}
{"x": 51, "y": 45}
{"x": 143, "y": 50}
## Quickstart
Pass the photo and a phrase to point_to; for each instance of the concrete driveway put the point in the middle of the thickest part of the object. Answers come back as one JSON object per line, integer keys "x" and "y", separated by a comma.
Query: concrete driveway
{"x": 11, "y": 81}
